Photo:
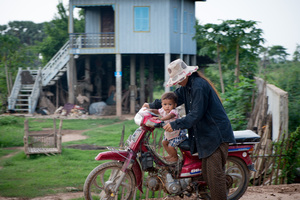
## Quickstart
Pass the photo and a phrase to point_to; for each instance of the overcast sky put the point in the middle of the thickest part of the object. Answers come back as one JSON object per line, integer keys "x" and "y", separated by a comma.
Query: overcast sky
{"x": 279, "y": 19}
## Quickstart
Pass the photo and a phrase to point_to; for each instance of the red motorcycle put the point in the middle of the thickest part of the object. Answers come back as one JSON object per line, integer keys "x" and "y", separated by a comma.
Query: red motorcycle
{"x": 119, "y": 178}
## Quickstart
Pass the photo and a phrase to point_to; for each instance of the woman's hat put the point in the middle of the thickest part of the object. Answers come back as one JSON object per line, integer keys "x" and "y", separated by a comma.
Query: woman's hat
{"x": 178, "y": 71}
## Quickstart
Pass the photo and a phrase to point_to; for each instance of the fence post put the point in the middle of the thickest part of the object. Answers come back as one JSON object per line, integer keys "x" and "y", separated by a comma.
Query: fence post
{"x": 277, "y": 173}
{"x": 121, "y": 144}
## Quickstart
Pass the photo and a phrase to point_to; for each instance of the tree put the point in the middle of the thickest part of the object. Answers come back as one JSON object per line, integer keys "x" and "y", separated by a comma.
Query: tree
{"x": 27, "y": 32}
{"x": 57, "y": 33}
{"x": 296, "y": 55}
{"x": 213, "y": 38}
{"x": 9, "y": 45}
{"x": 278, "y": 54}
{"x": 243, "y": 34}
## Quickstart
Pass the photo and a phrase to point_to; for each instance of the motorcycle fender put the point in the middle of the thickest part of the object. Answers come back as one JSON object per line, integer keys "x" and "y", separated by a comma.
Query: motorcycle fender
{"x": 243, "y": 155}
{"x": 121, "y": 156}
{"x": 112, "y": 155}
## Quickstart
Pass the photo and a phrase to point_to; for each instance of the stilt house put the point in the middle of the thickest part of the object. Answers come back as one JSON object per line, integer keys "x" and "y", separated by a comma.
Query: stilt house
{"x": 124, "y": 40}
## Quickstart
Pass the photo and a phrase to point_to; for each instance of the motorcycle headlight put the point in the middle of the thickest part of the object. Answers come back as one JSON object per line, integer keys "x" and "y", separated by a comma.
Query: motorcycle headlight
{"x": 138, "y": 119}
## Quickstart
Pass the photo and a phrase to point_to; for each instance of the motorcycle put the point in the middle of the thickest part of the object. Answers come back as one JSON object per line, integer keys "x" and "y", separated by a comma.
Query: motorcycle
{"x": 119, "y": 178}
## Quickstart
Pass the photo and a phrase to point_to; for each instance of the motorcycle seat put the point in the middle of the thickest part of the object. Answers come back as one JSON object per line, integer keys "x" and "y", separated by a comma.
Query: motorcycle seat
{"x": 246, "y": 136}
{"x": 184, "y": 145}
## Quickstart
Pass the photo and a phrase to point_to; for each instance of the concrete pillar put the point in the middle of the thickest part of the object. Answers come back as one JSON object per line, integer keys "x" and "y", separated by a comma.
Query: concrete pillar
{"x": 132, "y": 84}
{"x": 87, "y": 73}
{"x": 142, "y": 80}
{"x": 71, "y": 79}
{"x": 118, "y": 75}
{"x": 167, "y": 62}
{"x": 187, "y": 60}
{"x": 194, "y": 60}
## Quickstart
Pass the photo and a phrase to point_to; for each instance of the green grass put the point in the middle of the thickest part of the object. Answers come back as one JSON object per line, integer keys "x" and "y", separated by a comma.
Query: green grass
{"x": 4, "y": 152}
{"x": 42, "y": 175}
{"x": 12, "y": 128}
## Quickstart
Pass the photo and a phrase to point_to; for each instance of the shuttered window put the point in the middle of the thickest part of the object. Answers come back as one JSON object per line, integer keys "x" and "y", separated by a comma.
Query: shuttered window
{"x": 141, "y": 19}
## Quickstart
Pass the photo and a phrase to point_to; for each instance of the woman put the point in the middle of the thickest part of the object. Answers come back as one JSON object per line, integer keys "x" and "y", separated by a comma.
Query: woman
{"x": 208, "y": 126}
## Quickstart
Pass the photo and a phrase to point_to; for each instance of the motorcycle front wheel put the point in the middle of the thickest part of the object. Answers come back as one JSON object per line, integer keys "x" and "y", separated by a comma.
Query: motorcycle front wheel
{"x": 237, "y": 177}
{"x": 102, "y": 180}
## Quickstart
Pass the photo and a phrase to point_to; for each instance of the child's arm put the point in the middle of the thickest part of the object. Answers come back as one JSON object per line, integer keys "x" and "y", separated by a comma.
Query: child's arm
{"x": 167, "y": 117}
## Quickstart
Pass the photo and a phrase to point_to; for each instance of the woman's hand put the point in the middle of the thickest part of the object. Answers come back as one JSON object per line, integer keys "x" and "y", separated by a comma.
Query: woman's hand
{"x": 146, "y": 105}
{"x": 168, "y": 127}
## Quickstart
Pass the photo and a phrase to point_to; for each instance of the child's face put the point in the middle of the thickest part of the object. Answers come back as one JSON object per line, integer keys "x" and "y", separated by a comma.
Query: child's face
{"x": 168, "y": 105}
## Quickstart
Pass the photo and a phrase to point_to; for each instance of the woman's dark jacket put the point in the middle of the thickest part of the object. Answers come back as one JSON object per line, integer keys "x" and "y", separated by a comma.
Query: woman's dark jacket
{"x": 207, "y": 123}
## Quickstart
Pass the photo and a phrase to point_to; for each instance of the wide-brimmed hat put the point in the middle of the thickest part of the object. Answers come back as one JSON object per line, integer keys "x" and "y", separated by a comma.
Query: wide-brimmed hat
{"x": 178, "y": 71}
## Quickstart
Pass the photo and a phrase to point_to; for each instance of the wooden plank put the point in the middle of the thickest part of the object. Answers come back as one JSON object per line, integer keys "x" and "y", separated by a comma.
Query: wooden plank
{"x": 26, "y": 132}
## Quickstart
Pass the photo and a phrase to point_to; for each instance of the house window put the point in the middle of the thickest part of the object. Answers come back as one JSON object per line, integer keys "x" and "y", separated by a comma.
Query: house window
{"x": 141, "y": 19}
{"x": 175, "y": 20}
{"x": 185, "y": 28}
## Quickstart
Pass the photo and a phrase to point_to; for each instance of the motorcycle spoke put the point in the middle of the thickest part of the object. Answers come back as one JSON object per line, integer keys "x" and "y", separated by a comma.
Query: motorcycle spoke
{"x": 236, "y": 176}
{"x": 237, "y": 171}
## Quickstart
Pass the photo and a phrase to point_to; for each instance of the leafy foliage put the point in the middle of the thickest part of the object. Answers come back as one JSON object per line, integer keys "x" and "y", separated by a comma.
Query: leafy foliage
{"x": 57, "y": 34}
{"x": 237, "y": 102}
{"x": 287, "y": 77}
{"x": 290, "y": 148}
{"x": 278, "y": 54}
{"x": 27, "y": 32}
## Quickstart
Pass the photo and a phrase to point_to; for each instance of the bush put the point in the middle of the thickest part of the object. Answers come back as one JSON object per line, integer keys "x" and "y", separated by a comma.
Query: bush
{"x": 291, "y": 161}
{"x": 237, "y": 102}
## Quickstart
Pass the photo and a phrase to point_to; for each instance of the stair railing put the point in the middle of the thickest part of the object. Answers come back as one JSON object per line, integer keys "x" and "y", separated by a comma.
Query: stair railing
{"x": 12, "y": 99}
{"x": 35, "y": 94}
{"x": 58, "y": 61}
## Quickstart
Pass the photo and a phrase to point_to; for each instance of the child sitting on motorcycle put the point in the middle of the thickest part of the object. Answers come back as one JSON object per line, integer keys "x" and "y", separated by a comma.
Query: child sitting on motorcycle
{"x": 168, "y": 114}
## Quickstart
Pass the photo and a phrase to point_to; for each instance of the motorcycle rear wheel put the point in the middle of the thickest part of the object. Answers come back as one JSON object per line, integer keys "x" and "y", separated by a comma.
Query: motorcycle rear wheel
{"x": 238, "y": 175}
{"x": 103, "y": 178}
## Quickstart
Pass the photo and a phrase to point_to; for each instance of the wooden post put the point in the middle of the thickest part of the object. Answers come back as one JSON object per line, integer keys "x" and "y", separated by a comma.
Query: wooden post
{"x": 55, "y": 132}
{"x": 150, "y": 79}
{"x": 26, "y": 133}
{"x": 284, "y": 178}
{"x": 59, "y": 136}
{"x": 87, "y": 74}
{"x": 118, "y": 85}
{"x": 142, "y": 80}
{"x": 71, "y": 79}
{"x": 132, "y": 84}
{"x": 279, "y": 161}
{"x": 121, "y": 144}
{"x": 167, "y": 62}
{"x": 57, "y": 95}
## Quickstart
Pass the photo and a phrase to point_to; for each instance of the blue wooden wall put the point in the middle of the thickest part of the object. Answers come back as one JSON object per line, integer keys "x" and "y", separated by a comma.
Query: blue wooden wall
{"x": 160, "y": 39}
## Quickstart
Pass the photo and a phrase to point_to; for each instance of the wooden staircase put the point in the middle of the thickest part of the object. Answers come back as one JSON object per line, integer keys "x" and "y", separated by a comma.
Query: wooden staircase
{"x": 28, "y": 83}
{"x": 22, "y": 102}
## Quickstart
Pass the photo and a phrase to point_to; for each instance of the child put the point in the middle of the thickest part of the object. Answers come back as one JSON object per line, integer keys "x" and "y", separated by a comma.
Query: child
{"x": 169, "y": 113}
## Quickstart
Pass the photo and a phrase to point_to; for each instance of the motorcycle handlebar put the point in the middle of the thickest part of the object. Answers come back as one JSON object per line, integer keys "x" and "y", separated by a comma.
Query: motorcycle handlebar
{"x": 160, "y": 125}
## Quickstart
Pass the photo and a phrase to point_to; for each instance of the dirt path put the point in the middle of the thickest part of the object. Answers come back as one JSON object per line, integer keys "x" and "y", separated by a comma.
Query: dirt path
{"x": 270, "y": 192}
